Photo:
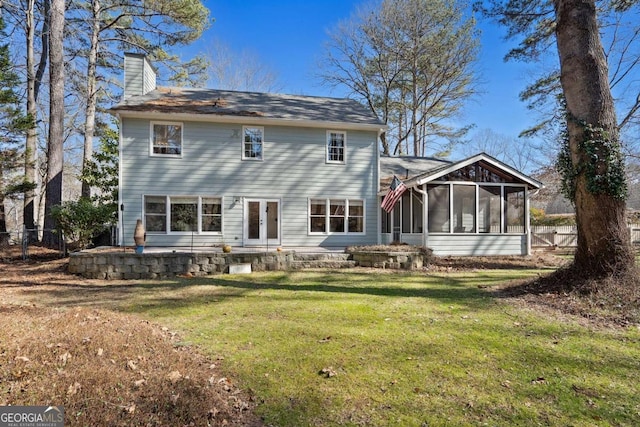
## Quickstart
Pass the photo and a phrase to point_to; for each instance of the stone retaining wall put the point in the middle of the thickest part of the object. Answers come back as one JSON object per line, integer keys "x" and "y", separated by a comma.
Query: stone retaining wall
{"x": 395, "y": 260}
{"x": 129, "y": 265}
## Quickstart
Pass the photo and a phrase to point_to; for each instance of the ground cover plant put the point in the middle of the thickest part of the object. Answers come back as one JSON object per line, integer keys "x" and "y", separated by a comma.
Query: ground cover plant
{"x": 366, "y": 347}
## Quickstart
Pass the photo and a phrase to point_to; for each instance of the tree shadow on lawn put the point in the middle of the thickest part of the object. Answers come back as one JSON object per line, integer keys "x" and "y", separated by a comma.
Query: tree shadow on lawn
{"x": 184, "y": 292}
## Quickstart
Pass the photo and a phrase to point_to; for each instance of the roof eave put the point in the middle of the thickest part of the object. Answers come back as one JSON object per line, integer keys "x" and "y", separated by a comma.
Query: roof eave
{"x": 247, "y": 120}
{"x": 531, "y": 182}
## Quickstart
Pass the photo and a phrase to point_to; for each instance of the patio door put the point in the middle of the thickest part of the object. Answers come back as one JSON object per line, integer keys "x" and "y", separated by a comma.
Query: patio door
{"x": 261, "y": 222}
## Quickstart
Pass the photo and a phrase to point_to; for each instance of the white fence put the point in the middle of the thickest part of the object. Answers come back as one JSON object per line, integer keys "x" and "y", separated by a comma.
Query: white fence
{"x": 566, "y": 236}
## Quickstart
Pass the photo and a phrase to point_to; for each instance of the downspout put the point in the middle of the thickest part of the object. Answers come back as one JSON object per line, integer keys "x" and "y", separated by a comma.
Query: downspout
{"x": 120, "y": 203}
{"x": 425, "y": 210}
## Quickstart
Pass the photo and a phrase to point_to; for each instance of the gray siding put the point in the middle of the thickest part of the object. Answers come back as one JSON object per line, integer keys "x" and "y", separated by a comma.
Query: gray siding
{"x": 478, "y": 244}
{"x": 293, "y": 170}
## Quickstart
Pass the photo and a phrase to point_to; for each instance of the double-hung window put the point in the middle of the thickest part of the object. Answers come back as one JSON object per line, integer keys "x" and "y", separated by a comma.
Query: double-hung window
{"x": 252, "y": 143}
{"x": 336, "y": 216}
{"x": 182, "y": 214}
{"x": 336, "y": 146}
{"x": 166, "y": 139}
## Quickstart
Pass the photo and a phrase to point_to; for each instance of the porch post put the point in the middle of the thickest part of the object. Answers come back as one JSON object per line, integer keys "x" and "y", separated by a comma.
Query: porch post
{"x": 527, "y": 219}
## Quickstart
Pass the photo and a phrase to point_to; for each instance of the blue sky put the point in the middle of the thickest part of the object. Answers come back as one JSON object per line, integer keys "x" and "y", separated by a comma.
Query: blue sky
{"x": 288, "y": 37}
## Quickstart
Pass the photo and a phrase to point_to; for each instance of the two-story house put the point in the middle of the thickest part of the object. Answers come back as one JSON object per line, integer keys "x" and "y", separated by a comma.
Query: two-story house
{"x": 202, "y": 167}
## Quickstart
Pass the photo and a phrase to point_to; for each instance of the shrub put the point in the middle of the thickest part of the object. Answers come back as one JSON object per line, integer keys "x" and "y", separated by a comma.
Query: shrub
{"x": 81, "y": 220}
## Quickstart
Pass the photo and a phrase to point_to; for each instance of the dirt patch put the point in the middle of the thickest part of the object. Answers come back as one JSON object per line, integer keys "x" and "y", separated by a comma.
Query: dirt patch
{"x": 541, "y": 260}
{"x": 105, "y": 368}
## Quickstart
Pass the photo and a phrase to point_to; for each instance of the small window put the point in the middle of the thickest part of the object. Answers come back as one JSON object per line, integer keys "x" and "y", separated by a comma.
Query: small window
{"x": 318, "y": 215}
{"x": 155, "y": 214}
{"x": 337, "y": 213}
{"x": 184, "y": 214}
{"x": 166, "y": 139}
{"x": 211, "y": 215}
{"x": 336, "y": 145}
{"x": 252, "y": 143}
{"x": 356, "y": 216}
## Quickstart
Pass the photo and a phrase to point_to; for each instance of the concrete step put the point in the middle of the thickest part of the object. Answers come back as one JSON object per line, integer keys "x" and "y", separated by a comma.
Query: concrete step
{"x": 322, "y": 256}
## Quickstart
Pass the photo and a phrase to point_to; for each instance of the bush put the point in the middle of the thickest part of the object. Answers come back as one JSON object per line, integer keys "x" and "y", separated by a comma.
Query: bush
{"x": 80, "y": 221}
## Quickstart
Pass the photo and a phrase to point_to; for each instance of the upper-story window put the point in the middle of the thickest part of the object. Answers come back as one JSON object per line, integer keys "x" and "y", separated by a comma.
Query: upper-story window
{"x": 166, "y": 139}
{"x": 336, "y": 146}
{"x": 252, "y": 142}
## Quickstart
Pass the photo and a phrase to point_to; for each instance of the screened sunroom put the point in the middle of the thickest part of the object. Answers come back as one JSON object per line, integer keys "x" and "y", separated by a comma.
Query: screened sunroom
{"x": 478, "y": 206}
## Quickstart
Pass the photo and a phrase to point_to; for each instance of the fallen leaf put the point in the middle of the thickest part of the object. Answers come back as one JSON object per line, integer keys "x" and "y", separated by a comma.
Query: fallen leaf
{"x": 73, "y": 389}
{"x": 99, "y": 352}
{"x": 22, "y": 358}
{"x": 326, "y": 339}
{"x": 132, "y": 365}
{"x": 65, "y": 358}
{"x": 174, "y": 376}
{"x": 539, "y": 380}
{"x": 327, "y": 372}
{"x": 139, "y": 383}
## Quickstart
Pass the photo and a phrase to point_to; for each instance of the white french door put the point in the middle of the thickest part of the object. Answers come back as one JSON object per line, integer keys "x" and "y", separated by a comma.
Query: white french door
{"x": 261, "y": 222}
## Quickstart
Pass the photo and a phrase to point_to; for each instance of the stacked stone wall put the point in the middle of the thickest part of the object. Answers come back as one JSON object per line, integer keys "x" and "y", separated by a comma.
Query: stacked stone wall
{"x": 129, "y": 265}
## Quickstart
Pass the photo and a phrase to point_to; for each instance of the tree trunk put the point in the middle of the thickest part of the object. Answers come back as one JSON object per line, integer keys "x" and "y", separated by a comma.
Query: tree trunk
{"x": 90, "y": 111}
{"x": 34, "y": 78}
{"x": 604, "y": 246}
{"x": 56, "y": 120}
{"x": 4, "y": 236}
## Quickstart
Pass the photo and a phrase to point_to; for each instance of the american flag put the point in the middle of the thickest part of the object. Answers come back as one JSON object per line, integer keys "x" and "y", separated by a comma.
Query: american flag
{"x": 395, "y": 192}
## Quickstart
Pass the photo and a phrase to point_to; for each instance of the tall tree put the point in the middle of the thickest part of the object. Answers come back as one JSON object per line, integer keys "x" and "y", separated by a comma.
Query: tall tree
{"x": 113, "y": 26}
{"x": 591, "y": 160}
{"x": 35, "y": 73}
{"x": 12, "y": 125}
{"x": 55, "y": 143}
{"x": 411, "y": 62}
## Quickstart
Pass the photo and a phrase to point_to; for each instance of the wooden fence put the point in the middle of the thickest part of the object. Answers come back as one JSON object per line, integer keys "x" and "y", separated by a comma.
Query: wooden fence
{"x": 560, "y": 237}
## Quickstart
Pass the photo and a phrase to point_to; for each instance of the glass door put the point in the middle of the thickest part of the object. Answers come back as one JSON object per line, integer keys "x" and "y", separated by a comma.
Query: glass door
{"x": 261, "y": 222}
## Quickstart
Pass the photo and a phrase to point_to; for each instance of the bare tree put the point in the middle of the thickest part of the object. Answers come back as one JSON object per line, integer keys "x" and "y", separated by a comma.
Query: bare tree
{"x": 239, "y": 70}
{"x": 411, "y": 62}
{"x": 509, "y": 150}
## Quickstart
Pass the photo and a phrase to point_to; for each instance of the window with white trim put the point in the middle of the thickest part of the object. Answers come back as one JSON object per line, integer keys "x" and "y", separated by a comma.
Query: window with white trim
{"x": 328, "y": 216}
{"x": 336, "y": 146}
{"x": 252, "y": 142}
{"x": 182, "y": 214}
{"x": 166, "y": 139}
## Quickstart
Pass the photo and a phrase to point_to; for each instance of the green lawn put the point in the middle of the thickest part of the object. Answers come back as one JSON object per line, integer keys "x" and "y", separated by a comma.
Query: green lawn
{"x": 401, "y": 349}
